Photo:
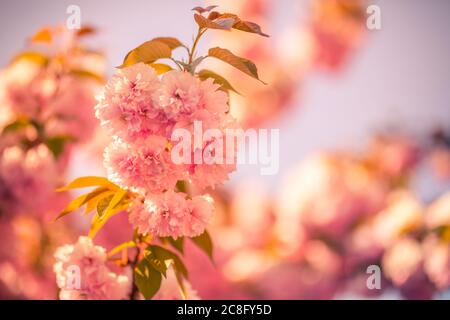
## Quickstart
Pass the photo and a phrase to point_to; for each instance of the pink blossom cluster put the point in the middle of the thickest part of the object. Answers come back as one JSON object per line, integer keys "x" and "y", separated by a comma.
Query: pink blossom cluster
{"x": 141, "y": 111}
{"x": 47, "y": 98}
{"x": 82, "y": 273}
{"x": 63, "y": 103}
{"x": 171, "y": 214}
{"x": 336, "y": 214}
{"x": 28, "y": 179}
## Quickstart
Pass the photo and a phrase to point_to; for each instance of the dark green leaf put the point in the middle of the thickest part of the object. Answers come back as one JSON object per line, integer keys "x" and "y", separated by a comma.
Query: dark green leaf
{"x": 158, "y": 264}
{"x": 56, "y": 144}
{"x": 176, "y": 243}
{"x": 204, "y": 242}
{"x": 147, "y": 279}
{"x": 164, "y": 254}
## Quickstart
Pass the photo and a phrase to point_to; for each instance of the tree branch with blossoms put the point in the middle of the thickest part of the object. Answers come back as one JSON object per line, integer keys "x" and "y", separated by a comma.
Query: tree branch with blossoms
{"x": 141, "y": 107}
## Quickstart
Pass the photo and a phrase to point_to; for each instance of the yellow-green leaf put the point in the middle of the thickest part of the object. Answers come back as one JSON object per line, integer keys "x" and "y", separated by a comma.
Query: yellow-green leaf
{"x": 80, "y": 201}
{"x": 91, "y": 204}
{"x": 161, "y": 68}
{"x": 16, "y": 125}
{"x": 103, "y": 205}
{"x": 89, "y": 181}
{"x": 239, "y": 63}
{"x": 35, "y": 57}
{"x": 147, "y": 52}
{"x": 218, "y": 79}
{"x": 87, "y": 74}
{"x": 114, "y": 202}
{"x": 97, "y": 222}
{"x": 120, "y": 247}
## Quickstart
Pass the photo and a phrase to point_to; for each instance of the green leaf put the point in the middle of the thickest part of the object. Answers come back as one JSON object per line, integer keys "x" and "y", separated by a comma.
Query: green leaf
{"x": 147, "y": 279}
{"x": 159, "y": 264}
{"x": 164, "y": 254}
{"x": 16, "y": 125}
{"x": 218, "y": 79}
{"x": 239, "y": 63}
{"x": 204, "y": 242}
{"x": 35, "y": 57}
{"x": 56, "y": 144}
{"x": 176, "y": 243}
{"x": 89, "y": 181}
{"x": 87, "y": 74}
{"x": 80, "y": 201}
{"x": 148, "y": 52}
{"x": 171, "y": 42}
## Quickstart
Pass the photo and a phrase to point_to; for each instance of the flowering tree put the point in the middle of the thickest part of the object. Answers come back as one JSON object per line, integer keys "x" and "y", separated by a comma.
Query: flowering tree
{"x": 336, "y": 215}
{"x": 142, "y": 107}
{"x": 47, "y": 110}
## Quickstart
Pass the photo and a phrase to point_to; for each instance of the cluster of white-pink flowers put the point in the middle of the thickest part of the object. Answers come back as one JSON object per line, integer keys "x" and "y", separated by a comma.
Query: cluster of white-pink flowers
{"x": 44, "y": 113}
{"x": 141, "y": 111}
{"x": 82, "y": 273}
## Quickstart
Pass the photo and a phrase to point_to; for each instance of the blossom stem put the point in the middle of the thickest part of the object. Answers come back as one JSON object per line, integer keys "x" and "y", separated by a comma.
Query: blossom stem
{"x": 200, "y": 32}
{"x": 133, "y": 265}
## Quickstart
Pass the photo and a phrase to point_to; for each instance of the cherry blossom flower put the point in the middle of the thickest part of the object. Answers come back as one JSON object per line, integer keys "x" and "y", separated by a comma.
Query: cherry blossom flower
{"x": 171, "y": 214}
{"x": 182, "y": 94}
{"x": 96, "y": 280}
{"x": 145, "y": 168}
{"x": 127, "y": 107}
{"x": 28, "y": 179}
